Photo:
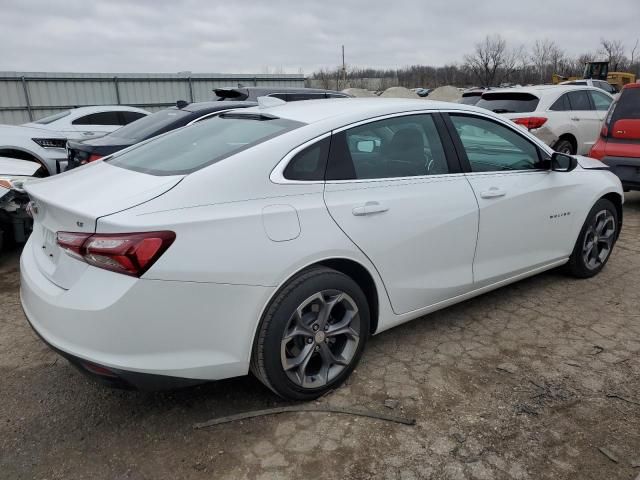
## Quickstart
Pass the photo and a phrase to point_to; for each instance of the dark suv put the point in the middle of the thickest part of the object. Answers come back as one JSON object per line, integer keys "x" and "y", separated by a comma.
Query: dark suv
{"x": 287, "y": 94}
{"x": 619, "y": 142}
{"x": 81, "y": 152}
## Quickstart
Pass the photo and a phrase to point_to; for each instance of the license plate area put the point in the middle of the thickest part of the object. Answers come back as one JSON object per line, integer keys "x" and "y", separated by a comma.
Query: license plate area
{"x": 49, "y": 245}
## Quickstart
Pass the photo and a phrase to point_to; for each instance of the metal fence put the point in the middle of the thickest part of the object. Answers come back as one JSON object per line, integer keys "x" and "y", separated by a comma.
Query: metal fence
{"x": 27, "y": 96}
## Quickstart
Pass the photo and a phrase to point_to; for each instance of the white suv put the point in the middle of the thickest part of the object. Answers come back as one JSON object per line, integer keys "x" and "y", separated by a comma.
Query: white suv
{"x": 565, "y": 117}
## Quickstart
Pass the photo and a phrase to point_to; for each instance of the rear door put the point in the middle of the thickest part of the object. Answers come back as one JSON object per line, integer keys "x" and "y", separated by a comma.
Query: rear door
{"x": 585, "y": 119}
{"x": 395, "y": 189}
{"x": 527, "y": 212}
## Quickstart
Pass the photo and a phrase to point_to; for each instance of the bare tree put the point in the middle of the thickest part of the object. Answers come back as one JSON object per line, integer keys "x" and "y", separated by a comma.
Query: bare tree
{"x": 614, "y": 50}
{"x": 488, "y": 57}
{"x": 546, "y": 56}
{"x": 633, "y": 52}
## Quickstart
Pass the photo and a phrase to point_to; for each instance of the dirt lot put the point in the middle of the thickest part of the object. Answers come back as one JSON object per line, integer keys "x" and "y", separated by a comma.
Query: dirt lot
{"x": 537, "y": 380}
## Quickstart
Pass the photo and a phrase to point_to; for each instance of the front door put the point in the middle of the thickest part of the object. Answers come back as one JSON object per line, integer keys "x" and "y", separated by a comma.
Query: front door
{"x": 394, "y": 189}
{"x": 527, "y": 212}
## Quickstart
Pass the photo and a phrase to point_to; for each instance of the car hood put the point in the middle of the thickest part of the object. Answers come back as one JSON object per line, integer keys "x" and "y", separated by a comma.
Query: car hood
{"x": 13, "y": 167}
{"x": 27, "y": 131}
{"x": 589, "y": 163}
{"x": 108, "y": 141}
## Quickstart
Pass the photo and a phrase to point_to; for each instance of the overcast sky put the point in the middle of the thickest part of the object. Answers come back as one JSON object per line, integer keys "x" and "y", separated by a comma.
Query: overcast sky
{"x": 249, "y": 36}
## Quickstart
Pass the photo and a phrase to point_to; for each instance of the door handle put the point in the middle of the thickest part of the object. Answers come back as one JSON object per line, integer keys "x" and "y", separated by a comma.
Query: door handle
{"x": 493, "y": 192}
{"x": 369, "y": 208}
{"x": 575, "y": 119}
{"x": 88, "y": 133}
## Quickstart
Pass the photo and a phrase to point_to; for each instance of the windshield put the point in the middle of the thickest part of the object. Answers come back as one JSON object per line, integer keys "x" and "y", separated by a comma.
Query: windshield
{"x": 509, "y": 102}
{"x": 151, "y": 125}
{"x": 52, "y": 118}
{"x": 189, "y": 149}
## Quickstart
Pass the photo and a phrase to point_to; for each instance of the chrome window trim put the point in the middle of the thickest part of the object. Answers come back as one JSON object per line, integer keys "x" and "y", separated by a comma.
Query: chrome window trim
{"x": 277, "y": 174}
{"x": 210, "y": 114}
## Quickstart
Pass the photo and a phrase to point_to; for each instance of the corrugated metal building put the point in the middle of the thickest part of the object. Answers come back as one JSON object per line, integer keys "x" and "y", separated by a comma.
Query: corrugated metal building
{"x": 26, "y": 96}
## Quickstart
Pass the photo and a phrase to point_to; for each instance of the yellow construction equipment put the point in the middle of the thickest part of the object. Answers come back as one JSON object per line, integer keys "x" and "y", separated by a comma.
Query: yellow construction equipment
{"x": 599, "y": 71}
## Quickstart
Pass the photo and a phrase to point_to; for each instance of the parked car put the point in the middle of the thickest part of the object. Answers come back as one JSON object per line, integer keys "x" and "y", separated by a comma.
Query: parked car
{"x": 265, "y": 239}
{"x": 288, "y": 94}
{"x": 619, "y": 142}
{"x": 566, "y": 117}
{"x": 44, "y": 140}
{"x": 82, "y": 152}
{"x": 601, "y": 84}
{"x": 15, "y": 222}
{"x": 422, "y": 92}
{"x": 472, "y": 96}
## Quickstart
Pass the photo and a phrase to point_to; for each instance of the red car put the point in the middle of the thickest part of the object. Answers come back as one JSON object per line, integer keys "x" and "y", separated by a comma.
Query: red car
{"x": 619, "y": 142}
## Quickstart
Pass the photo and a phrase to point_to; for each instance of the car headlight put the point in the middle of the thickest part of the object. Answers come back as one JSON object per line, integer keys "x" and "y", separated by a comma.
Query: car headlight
{"x": 51, "y": 142}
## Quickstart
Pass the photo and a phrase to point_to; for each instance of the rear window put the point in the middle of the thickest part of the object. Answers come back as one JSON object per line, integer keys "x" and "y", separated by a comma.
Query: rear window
{"x": 509, "y": 102}
{"x": 628, "y": 105}
{"x": 470, "y": 98}
{"x": 152, "y": 125}
{"x": 189, "y": 149}
{"x": 52, "y": 118}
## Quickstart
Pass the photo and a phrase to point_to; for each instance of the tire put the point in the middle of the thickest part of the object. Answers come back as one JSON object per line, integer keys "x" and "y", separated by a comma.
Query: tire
{"x": 564, "y": 146}
{"x": 595, "y": 242}
{"x": 319, "y": 351}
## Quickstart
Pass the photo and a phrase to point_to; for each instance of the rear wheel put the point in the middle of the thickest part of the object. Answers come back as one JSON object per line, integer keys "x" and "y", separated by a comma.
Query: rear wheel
{"x": 564, "y": 146}
{"x": 596, "y": 240}
{"x": 312, "y": 335}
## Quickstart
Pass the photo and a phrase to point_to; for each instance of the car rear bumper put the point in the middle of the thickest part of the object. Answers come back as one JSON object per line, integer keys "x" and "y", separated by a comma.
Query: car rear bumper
{"x": 627, "y": 169}
{"x": 143, "y": 330}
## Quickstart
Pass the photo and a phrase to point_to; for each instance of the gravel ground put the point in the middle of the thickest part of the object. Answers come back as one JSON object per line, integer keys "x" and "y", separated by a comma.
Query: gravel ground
{"x": 540, "y": 379}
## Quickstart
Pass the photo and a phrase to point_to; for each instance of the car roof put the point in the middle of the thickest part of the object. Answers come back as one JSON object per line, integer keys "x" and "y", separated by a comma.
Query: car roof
{"x": 215, "y": 106}
{"x": 105, "y": 108}
{"x": 542, "y": 90}
{"x": 312, "y": 111}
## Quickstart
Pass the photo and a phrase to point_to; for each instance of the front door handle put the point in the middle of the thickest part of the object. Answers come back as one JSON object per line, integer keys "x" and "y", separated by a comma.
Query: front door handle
{"x": 369, "y": 208}
{"x": 493, "y": 192}
{"x": 575, "y": 119}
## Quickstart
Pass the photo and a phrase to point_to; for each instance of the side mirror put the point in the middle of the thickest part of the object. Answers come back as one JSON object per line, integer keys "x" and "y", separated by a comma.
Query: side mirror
{"x": 365, "y": 146}
{"x": 561, "y": 162}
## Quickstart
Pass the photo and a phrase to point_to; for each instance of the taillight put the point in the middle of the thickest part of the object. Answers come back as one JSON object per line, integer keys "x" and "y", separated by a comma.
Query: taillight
{"x": 127, "y": 253}
{"x": 93, "y": 157}
{"x": 531, "y": 122}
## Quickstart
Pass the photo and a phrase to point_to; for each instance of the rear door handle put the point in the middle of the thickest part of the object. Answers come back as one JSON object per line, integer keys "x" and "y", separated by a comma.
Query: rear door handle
{"x": 369, "y": 208}
{"x": 493, "y": 192}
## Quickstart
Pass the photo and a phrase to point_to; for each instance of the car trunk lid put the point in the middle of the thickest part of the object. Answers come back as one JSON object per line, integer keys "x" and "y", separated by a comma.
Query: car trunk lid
{"x": 74, "y": 201}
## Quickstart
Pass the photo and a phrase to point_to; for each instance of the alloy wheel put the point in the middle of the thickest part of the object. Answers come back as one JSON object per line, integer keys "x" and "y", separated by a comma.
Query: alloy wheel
{"x": 598, "y": 239}
{"x": 321, "y": 339}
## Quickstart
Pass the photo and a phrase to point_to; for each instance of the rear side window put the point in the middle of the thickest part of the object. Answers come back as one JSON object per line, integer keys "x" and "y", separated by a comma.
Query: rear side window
{"x": 600, "y": 100}
{"x": 406, "y": 146}
{"x": 309, "y": 164}
{"x": 186, "y": 150}
{"x": 561, "y": 105}
{"x": 509, "y": 102}
{"x": 102, "y": 118}
{"x": 579, "y": 100}
{"x": 128, "y": 117}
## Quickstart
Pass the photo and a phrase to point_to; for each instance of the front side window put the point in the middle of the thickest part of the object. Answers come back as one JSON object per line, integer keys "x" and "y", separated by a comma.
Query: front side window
{"x": 102, "y": 118}
{"x": 406, "y": 146}
{"x": 186, "y": 150}
{"x": 491, "y": 146}
{"x": 600, "y": 100}
{"x": 579, "y": 100}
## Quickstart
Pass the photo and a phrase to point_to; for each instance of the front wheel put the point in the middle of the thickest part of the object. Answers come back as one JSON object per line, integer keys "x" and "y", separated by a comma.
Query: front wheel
{"x": 596, "y": 240}
{"x": 312, "y": 335}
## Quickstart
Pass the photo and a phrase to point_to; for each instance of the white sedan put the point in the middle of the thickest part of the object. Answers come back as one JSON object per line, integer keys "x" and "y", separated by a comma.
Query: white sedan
{"x": 278, "y": 239}
{"x": 44, "y": 141}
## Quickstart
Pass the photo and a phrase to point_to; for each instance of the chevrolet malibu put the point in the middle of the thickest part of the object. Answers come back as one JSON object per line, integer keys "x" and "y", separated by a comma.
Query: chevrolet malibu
{"x": 277, "y": 239}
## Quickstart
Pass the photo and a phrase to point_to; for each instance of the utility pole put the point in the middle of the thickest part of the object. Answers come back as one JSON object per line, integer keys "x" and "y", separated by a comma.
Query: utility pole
{"x": 344, "y": 70}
